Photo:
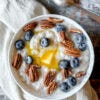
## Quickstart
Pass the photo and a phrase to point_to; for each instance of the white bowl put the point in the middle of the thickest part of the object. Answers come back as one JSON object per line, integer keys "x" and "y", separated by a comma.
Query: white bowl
{"x": 28, "y": 89}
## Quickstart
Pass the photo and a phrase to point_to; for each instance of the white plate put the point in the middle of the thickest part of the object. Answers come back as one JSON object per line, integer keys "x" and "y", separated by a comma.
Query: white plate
{"x": 28, "y": 89}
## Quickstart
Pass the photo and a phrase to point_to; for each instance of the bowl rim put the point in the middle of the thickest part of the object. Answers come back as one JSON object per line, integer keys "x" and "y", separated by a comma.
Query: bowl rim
{"x": 91, "y": 61}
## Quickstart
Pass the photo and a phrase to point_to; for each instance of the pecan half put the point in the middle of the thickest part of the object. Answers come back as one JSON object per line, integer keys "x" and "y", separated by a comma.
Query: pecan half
{"x": 33, "y": 72}
{"x": 73, "y": 52}
{"x": 80, "y": 74}
{"x": 17, "y": 61}
{"x": 67, "y": 44}
{"x": 62, "y": 35}
{"x": 55, "y": 20}
{"x": 45, "y": 24}
{"x": 66, "y": 73}
{"x": 50, "y": 76}
{"x": 52, "y": 87}
{"x": 75, "y": 30}
{"x": 30, "y": 26}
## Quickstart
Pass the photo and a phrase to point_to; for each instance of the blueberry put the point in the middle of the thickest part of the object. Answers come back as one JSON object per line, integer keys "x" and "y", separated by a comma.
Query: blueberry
{"x": 82, "y": 46}
{"x": 29, "y": 59}
{"x": 60, "y": 27}
{"x": 64, "y": 86}
{"x": 19, "y": 44}
{"x": 28, "y": 35}
{"x": 63, "y": 64}
{"x": 44, "y": 42}
{"x": 72, "y": 80}
{"x": 79, "y": 38}
{"x": 74, "y": 62}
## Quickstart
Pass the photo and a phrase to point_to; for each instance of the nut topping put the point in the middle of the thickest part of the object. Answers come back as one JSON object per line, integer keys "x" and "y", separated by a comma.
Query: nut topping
{"x": 65, "y": 41}
{"x": 33, "y": 72}
{"x": 66, "y": 73}
{"x": 30, "y": 26}
{"x": 62, "y": 35}
{"x": 52, "y": 87}
{"x": 55, "y": 20}
{"x": 17, "y": 61}
{"x": 80, "y": 74}
{"x": 73, "y": 52}
{"x": 74, "y": 30}
{"x": 50, "y": 76}
{"x": 69, "y": 46}
{"x": 45, "y": 24}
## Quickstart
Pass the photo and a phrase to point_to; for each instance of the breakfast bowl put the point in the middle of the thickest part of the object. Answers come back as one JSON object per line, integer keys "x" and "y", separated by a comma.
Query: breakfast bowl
{"x": 51, "y": 57}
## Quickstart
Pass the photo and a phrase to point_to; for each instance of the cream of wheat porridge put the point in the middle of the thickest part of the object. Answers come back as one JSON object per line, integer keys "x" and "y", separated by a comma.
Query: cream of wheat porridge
{"x": 51, "y": 56}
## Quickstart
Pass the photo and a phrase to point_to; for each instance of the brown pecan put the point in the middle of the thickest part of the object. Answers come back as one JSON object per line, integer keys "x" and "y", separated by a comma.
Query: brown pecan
{"x": 30, "y": 26}
{"x": 52, "y": 87}
{"x": 80, "y": 74}
{"x": 75, "y": 30}
{"x": 69, "y": 46}
{"x": 17, "y": 61}
{"x": 67, "y": 43}
{"x": 45, "y": 24}
{"x": 66, "y": 73}
{"x": 50, "y": 76}
{"x": 73, "y": 52}
{"x": 55, "y": 20}
{"x": 62, "y": 35}
{"x": 33, "y": 72}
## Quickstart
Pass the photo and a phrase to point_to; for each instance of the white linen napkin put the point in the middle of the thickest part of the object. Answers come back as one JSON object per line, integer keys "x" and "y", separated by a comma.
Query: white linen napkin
{"x": 14, "y": 14}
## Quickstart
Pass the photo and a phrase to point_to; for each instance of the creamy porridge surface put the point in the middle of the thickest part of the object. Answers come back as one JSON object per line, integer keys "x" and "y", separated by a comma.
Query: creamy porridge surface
{"x": 49, "y": 57}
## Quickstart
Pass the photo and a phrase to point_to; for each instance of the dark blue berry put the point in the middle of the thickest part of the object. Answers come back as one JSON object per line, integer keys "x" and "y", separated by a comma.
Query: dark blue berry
{"x": 82, "y": 46}
{"x": 29, "y": 59}
{"x": 44, "y": 42}
{"x": 28, "y": 35}
{"x": 64, "y": 86}
{"x": 72, "y": 80}
{"x": 74, "y": 62}
{"x": 60, "y": 27}
{"x": 79, "y": 38}
{"x": 63, "y": 64}
{"x": 19, "y": 44}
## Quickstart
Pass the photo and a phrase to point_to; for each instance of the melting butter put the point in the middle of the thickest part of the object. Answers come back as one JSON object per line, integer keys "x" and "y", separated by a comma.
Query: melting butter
{"x": 48, "y": 58}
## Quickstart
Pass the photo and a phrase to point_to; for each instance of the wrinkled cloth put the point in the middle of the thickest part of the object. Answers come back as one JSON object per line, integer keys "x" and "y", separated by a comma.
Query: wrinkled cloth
{"x": 13, "y": 15}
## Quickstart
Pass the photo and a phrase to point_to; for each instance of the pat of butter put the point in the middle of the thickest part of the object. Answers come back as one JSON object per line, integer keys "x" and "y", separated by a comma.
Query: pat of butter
{"x": 47, "y": 58}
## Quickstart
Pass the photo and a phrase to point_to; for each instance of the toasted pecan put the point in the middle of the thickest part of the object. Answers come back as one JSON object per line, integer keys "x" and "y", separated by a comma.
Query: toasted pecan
{"x": 67, "y": 43}
{"x": 55, "y": 20}
{"x": 50, "y": 76}
{"x": 75, "y": 30}
{"x": 66, "y": 73}
{"x": 69, "y": 46}
{"x": 73, "y": 52}
{"x": 17, "y": 61}
{"x": 62, "y": 35}
{"x": 45, "y": 24}
{"x": 30, "y": 26}
{"x": 80, "y": 74}
{"x": 52, "y": 87}
{"x": 33, "y": 72}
